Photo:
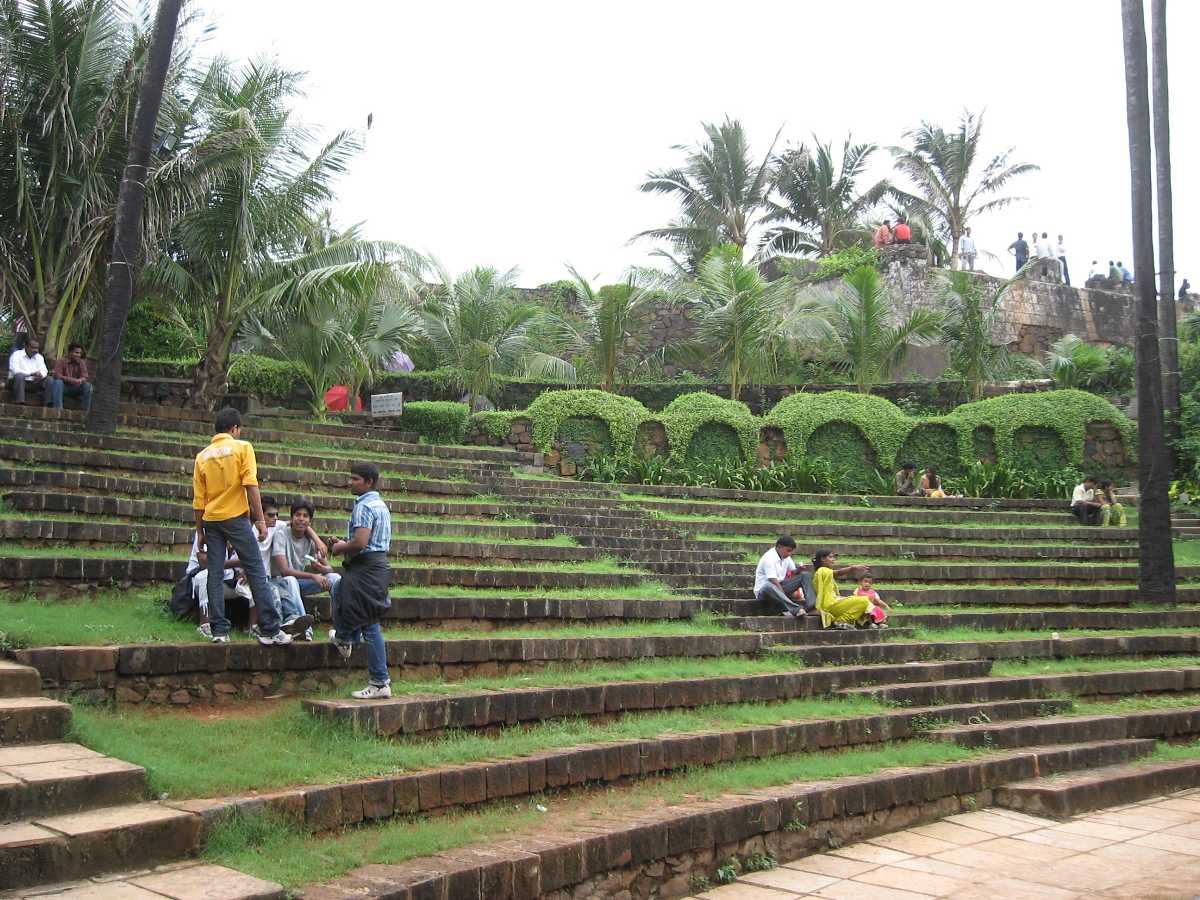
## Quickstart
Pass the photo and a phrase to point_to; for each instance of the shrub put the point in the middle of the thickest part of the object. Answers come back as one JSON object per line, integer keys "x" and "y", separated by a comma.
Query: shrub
{"x": 843, "y": 262}
{"x": 713, "y": 442}
{"x": 1037, "y": 449}
{"x": 583, "y": 437}
{"x": 844, "y": 447}
{"x": 497, "y": 423}
{"x": 436, "y": 421}
{"x": 983, "y": 444}
{"x": 879, "y": 421}
{"x": 685, "y": 415}
{"x": 270, "y": 380}
{"x": 552, "y": 408}
{"x": 933, "y": 444}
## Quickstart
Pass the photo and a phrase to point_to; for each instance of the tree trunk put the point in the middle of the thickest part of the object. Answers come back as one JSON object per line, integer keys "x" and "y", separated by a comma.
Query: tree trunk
{"x": 210, "y": 379}
{"x": 1156, "y": 560}
{"x": 1168, "y": 338}
{"x": 123, "y": 267}
{"x": 954, "y": 239}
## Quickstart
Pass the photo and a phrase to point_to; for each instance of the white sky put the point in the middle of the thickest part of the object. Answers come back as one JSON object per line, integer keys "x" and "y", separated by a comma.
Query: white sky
{"x": 516, "y": 133}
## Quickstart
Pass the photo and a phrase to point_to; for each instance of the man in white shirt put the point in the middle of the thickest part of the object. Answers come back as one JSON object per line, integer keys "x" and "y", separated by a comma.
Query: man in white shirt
{"x": 1043, "y": 248}
{"x": 1060, "y": 250}
{"x": 778, "y": 581}
{"x": 1084, "y": 504}
{"x": 198, "y": 565}
{"x": 26, "y": 370}
{"x": 1095, "y": 271}
{"x": 966, "y": 250}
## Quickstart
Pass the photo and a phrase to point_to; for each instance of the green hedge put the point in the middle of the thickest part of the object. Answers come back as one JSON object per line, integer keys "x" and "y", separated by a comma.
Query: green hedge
{"x": 271, "y": 380}
{"x": 436, "y": 421}
{"x": 713, "y": 442}
{"x": 685, "y": 415}
{"x": 583, "y": 437}
{"x": 935, "y": 444}
{"x": 844, "y": 447}
{"x": 551, "y": 409}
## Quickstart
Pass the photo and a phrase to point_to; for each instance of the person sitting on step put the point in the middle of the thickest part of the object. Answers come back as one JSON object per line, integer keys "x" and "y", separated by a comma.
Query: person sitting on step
{"x": 781, "y": 583}
{"x": 931, "y": 484}
{"x": 836, "y": 611}
{"x": 906, "y": 480}
{"x": 298, "y": 566}
{"x": 1084, "y": 504}
{"x": 233, "y": 588}
{"x": 879, "y": 608}
{"x": 1112, "y": 511}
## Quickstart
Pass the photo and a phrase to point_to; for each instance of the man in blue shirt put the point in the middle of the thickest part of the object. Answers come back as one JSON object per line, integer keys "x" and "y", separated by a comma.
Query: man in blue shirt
{"x": 1126, "y": 275}
{"x": 360, "y": 598}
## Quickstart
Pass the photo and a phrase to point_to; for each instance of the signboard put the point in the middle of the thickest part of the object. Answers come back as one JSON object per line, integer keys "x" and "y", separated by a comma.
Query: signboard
{"x": 387, "y": 404}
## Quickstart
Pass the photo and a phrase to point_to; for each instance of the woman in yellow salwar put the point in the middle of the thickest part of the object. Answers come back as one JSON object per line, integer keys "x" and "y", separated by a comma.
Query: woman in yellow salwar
{"x": 836, "y": 612}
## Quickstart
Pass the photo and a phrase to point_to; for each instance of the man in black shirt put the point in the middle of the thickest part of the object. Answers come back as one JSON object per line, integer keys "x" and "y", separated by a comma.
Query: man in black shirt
{"x": 1020, "y": 250}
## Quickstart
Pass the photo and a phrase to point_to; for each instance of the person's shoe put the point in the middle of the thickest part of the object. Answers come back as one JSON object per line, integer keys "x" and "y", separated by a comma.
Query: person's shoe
{"x": 842, "y": 626}
{"x": 205, "y": 631}
{"x": 788, "y": 614}
{"x": 342, "y": 647}
{"x": 298, "y": 625}
{"x": 373, "y": 692}
{"x": 278, "y": 639}
{"x": 307, "y": 636}
{"x": 220, "y": 639}
{"x": 254, "y": 632}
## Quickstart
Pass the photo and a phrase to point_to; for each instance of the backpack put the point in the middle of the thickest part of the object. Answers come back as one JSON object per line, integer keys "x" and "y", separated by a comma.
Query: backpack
{"x": 183, "y": 603}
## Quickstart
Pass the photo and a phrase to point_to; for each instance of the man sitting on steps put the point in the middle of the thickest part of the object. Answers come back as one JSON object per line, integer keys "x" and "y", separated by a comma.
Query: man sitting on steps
{"x": 1084, "y": 504}
{"x": 298, "y": 566}
{"x": 778, "y": 580}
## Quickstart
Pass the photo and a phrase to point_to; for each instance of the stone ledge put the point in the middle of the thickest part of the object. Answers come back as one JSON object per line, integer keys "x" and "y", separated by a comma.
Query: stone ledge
{"x": 1068, "y": 796}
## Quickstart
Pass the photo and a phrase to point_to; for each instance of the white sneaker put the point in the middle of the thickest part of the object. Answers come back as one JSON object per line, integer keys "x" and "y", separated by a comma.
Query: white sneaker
{"x": 373, "y": 692}
{"x": 220, "y": 639}
{"x": 278, "y": 639}
{"x": 342, "y": 647}
{"x": 205, "y": 631}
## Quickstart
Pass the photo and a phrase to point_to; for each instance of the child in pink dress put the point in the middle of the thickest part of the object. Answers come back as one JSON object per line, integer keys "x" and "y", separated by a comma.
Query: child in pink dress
{"x": 876, "y": 611}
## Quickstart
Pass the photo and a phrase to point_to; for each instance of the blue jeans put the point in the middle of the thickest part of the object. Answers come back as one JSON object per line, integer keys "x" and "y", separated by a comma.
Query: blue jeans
{"x": 292, "y": 592}
{"x": 239, "y": 534}
{"x": 372, "y": 636}
{"x": 59, "y": 388}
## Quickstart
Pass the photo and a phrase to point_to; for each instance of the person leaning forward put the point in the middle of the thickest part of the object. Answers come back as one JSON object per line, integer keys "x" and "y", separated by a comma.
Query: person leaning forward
{"x": 224, "y": 494}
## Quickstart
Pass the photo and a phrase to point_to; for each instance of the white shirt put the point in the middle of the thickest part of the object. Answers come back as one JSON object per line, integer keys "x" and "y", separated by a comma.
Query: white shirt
{"x": 1096, "y": 272}
{"x": 264, "y": 547}
{"x": 1082, "y": 494}
{"x": 966, "y": 244}
{"x": 194, "y": 559}
{"x": 21, "y": 363}
{"x": 1043, "y": 249}
{"x": 1060, "y": 249}
{"x": 770, "y": 566}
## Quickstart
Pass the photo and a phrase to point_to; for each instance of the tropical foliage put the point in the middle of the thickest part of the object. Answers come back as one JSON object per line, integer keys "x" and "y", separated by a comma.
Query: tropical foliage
{"x": 968, "y": 326}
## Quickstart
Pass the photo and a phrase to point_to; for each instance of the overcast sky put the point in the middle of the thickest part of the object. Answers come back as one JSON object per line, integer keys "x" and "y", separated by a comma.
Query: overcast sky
{"x": 516, "y": 133}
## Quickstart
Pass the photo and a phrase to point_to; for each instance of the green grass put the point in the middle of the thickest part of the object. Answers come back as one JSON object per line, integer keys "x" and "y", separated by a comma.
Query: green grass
{"x": 643, "y": 590}
{"x": 1085, "y": 664}
{"x": 1165, "y": 752}
{"x": 1133, "y": 704}
{"x": 185, "y": 754}
{"x": 985, "y": 635}
{"x": 278, "y": 852}
{"x": 726, "y": 540}
{"x": 1187, "y": 553}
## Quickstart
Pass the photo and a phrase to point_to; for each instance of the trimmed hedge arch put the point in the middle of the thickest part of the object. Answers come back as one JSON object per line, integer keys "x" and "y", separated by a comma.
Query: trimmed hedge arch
{"x": 1036, "y": 448}
{"x": 622, "y": 414}
{"x": 714, "y": 442}
{"x": 880, "y": 421}
{"x": 582, "y": 437}
{"x": 686, "y": 415}
{"x": 983, "y": 443}
{"x": 933, "y": 443}
{"x": 843, "y": 445}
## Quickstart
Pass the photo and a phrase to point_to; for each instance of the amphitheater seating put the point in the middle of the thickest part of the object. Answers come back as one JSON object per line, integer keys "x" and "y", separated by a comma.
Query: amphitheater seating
{"x": 498, "y": 574}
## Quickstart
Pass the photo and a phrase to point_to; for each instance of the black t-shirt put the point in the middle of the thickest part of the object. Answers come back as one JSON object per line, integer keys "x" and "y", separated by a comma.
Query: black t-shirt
{"x": 1021, "y": 247}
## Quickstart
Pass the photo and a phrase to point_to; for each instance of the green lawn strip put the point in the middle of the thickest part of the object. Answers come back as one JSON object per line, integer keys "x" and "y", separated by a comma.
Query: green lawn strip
{"x": 890, "y": 543}
{"x": 1165, "y": 752}
{"x": 1010, "y": 584}
{"x": 661, "y": 506}
{"x": 185, "y": 754}
{"x": 278, "y": 852}
{"x": 915, "y": 609}
{"x": 900, "y": 520}
{"x": 1119, "y": 705}
{"x": 1187, "y": 553}
{"x": 1087, "y": 664}
{"x": 919, "y": 633}
{"x": 1000, "y": 563}
{"x": 643, "y": 590}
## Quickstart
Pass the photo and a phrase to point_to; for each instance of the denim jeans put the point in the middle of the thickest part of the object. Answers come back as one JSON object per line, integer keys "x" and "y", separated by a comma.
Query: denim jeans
{"x": 782, "y": 596}
{"x": 292, "y": 592}
{"x": 60, "y": 387}
{"x": 372, "y": 636}
{"x": 240, "y": 534}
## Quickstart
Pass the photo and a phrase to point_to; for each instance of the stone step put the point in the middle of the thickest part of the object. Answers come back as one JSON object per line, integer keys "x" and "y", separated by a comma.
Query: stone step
{"x": 1078, "y": 684}
{"x": 1035, "y": 596}
{"x": 61, "y": 848}
{"x": 1174, "y": 723}
{"x": 49, "y": 779}
{"x": 424, "y": 713}
{"x": 18, "y": 681}
{"x": 900, "y": 529}
{"x": 782, "y": 640}
{"x": 950, "y": 551}
{"x": 1051, "y": 619}
{"x": 176, "y": 881}
{"x": 1067, "y": 795}
{"x": 32, "y": 720}
{"x": 735, "y": 575}
{"x": 859, "y": 513}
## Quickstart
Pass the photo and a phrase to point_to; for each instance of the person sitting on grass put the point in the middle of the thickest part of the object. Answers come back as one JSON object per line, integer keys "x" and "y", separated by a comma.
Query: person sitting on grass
{"x": 360, "y": 598}
{"x": 837, "y": 612}
{"x": 1084, "y": 504}
{"x": 779, "y": 581}
{"x": 906, "y": 480}
{"x": 931, "y": 484}
{"x": 1112, "y": 511}
{"x": 878, "y": 611}
{"x": 298, "y": 566}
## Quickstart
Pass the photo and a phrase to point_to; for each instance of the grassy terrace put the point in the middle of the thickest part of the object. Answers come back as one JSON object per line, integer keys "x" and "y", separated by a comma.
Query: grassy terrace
{"x": 1090, "y": 664}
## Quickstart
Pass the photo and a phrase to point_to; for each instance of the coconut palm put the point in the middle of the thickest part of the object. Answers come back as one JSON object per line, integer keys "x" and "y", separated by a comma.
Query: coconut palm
{"x": 244, "y": 250}
{"x": 940, "y": 165}
{"x": 741, "y": 321}
{"x": 872, "y": 348}
{"x": 479, "y": 328}
{"x": 971, "y": 315}
{"x": 820, "y": 207}
{"x": 721, "y": 192}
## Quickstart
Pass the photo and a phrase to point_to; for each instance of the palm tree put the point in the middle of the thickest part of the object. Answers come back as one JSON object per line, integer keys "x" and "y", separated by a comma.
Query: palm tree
{"x": 1156, "y": 560}
{"x": 244, "y": 249}
{"x": 740, "y": 320}
{"x": 1168, "y": 326}
{"x": 721, "y": 191}
{"x": 125, "y": 253}
{"x": 940, "y": 163}
{"x": 872, "y": 348}
{"x": 820, "y": 206}
{"x": 1074, "y": 363}
{"x": 614, "y": 331}
{"x": 479, "y": 328}
{"x": 970, "y": 322}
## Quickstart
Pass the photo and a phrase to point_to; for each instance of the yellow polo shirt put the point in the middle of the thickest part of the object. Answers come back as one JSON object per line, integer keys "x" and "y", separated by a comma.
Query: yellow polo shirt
{"x": 224, "y": 469}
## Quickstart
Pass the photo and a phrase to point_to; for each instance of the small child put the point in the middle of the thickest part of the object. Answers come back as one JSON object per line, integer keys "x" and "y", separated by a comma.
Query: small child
{"x": 876, "y": 611}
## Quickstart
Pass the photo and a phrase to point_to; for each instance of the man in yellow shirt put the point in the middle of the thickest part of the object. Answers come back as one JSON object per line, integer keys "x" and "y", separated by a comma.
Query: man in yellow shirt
{"x": 224, "y": 494}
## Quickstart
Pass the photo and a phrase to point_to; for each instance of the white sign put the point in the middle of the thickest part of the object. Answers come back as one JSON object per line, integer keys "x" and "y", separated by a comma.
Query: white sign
{"x": 387, "y": 404}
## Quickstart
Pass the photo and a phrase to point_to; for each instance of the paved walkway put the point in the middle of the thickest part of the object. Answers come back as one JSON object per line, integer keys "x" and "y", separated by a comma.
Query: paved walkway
{"x": 1144, "y": 850}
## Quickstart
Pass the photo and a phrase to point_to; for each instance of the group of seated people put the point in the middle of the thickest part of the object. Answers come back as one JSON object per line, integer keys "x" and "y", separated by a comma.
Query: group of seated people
{"x": 909, "y": 485}
{"x": 293, "y": 555}
{"x": 798, "y": 590}
{"x": 27, "y": 373}
{"x": 1094, "y": 503}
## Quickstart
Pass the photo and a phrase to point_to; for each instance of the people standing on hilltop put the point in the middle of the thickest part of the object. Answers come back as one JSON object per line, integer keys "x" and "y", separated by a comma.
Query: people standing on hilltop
{"x": 1126, "y": 275}
{"x": 966, "y": 250}
{"x": 1114, "y": 274}
{"x": 1095, "y": 271}
{"x": 902, "y": 234}
{"x": 1020, "y": 249}
{"x": 1060, "y": 250}
{"x": 883, "y": 234}
{"x": 1044, "y": 248}
{"x": 1184, "y": 289}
